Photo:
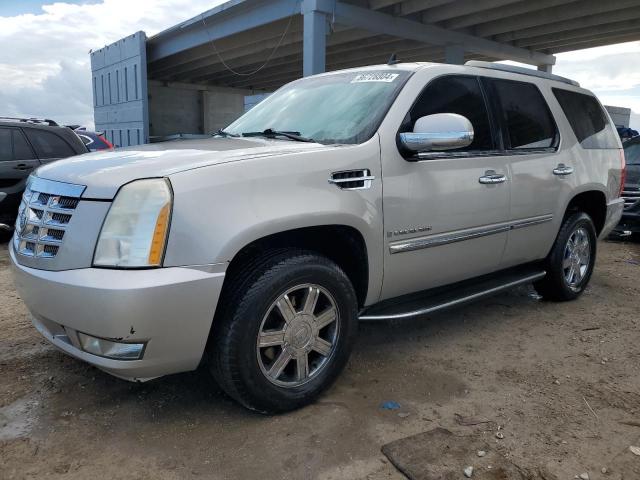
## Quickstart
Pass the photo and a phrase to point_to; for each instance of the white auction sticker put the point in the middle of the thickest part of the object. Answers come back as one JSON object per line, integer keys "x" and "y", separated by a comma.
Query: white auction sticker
{"x": 375, "y": 77}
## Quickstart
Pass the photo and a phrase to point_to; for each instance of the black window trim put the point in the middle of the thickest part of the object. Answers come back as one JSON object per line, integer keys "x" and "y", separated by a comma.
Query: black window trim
{"x": 424, "y": 156}
{"x": 496, "y": 123}
{"x": 504, "y": 129}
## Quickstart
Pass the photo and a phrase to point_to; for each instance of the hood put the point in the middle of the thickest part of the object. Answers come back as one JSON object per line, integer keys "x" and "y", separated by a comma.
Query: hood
{"x": 103, "y": 173}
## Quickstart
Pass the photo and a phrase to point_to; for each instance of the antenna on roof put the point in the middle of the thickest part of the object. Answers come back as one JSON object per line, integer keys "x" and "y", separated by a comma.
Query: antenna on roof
{"x": 393, "y": 59}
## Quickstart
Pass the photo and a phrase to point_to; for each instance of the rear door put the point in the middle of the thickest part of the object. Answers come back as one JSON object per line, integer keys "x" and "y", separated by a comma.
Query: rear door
{"x": 531, "y": 142}
{"x": 48, "y": 145}
{"x": 17, "y": 160}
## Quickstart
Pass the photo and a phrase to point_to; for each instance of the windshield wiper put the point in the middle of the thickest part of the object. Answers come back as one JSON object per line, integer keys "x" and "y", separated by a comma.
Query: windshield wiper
{"x": 271, "y": 133}
{"x": 222, "y": 133}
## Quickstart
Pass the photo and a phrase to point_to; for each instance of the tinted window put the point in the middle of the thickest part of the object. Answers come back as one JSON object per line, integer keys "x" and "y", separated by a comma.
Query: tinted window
{"x": 526, "y": 116}
{"x": 21, "y": 148}
{"x": 48, "y": 144}
{"x": 6, "y": 150}
{"x": 632, "y": 153}
{"x": 455, "y": 94}
{"x": 587, "y": 119}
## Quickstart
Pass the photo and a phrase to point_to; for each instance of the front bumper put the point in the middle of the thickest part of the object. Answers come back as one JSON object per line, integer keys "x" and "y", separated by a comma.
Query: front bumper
{"x": 614, "y": 213}
{"x": 169, "y": 309}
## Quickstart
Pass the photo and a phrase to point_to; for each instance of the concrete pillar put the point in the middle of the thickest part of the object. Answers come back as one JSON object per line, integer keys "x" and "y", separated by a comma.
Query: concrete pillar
{"x": 315, "y": 39}
{"x": 545, "y": 68}
{"x": 454, "y": 54}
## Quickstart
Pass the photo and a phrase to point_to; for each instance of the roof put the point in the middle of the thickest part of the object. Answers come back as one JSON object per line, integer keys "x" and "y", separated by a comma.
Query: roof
{"x": 258, "y": 44}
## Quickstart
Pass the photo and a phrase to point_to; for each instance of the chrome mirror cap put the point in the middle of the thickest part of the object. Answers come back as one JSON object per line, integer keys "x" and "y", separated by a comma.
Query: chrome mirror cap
{"x": 440, "y": 131}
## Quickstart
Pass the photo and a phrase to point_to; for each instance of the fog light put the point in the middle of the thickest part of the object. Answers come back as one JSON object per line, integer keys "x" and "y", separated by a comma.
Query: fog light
{"x": 109, "y": 349}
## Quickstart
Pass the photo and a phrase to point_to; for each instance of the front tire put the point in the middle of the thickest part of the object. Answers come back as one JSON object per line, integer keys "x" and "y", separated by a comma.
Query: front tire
{"x": 284, "y": 331}
{"x": 570, "y": 264}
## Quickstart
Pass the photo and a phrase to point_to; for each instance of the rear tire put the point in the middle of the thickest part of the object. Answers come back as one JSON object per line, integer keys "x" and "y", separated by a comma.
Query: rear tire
{"x": 284, "y": 331}
{"x": 571, "y": 261}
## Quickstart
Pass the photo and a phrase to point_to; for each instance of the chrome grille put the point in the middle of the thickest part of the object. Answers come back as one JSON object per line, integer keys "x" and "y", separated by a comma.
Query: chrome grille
{"x": 45, "y": 212}
{"x": 631, "y": 197}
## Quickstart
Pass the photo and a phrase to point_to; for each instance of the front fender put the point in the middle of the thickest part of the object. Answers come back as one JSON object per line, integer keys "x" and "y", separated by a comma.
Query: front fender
{"x": 220, "y": 209}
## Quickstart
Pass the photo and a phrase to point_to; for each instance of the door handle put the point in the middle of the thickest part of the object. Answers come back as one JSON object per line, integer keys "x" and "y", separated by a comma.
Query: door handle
{"x": 490, "y": 177}
{"x": 22, "y": 166}
{"x": 562, "y": 170}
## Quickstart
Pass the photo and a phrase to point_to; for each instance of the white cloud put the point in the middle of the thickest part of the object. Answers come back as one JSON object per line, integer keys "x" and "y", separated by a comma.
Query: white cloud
{"x": 44, "y": 59}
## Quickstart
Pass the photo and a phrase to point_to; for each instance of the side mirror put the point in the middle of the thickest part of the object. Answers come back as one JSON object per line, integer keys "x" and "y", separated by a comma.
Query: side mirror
{"x": 440, "y": 131}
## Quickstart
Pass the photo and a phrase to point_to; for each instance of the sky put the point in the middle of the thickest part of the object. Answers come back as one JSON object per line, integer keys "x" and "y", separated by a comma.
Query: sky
{"x": 45, "y": 45}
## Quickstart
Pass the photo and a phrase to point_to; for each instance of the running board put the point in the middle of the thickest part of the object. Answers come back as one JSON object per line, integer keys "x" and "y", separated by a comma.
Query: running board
{"x": 430, "y": 301}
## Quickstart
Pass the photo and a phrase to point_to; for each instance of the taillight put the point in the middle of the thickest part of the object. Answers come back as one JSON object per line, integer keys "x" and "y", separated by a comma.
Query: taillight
{"x": 108, "y": 144}
{"x": 623, "y": 171}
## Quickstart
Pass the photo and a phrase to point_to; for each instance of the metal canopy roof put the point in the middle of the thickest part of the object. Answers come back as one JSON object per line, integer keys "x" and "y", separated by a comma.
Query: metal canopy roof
{"x": 262, "y": 44}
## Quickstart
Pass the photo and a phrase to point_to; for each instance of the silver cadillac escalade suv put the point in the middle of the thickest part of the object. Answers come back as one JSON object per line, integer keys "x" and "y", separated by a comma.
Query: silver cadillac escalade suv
{"x": 384, "y": 192}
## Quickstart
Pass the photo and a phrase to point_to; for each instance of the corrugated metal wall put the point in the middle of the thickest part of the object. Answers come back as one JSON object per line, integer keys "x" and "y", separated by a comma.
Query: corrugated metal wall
{"x": 120, "y": 102}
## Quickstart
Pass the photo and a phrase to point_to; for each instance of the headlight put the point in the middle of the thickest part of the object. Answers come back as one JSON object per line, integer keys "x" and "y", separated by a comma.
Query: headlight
{"x": 135, "y": 231}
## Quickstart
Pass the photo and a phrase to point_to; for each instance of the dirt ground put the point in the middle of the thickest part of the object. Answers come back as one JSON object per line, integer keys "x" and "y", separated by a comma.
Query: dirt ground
{"x": 561, "y": 382}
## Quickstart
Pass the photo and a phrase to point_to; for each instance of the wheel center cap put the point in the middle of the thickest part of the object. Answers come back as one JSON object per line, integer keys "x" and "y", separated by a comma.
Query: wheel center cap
{"x": 300, "y": 332}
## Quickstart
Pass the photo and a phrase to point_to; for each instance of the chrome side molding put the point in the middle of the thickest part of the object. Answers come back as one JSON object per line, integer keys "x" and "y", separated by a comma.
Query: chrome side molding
{"x": 429, "y": 241}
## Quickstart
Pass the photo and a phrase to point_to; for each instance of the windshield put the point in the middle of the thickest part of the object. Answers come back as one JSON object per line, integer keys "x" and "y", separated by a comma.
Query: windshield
{"x": 632, "y": 152}
{"x": 338, "y": 108}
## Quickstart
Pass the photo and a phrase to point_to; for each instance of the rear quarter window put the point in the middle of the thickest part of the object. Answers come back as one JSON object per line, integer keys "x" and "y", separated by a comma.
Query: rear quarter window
{"x": 587, "y": 118}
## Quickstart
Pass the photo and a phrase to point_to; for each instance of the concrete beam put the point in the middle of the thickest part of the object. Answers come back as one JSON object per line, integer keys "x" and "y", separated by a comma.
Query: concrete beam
{"x": 461, "y": 9}
{"x": 578, "y": 43}
{"x": 263, "y": 37}
{"x": 315, "y": 38}
{"x": 586, "y": 33}
{"x": 563, "y": 26}
{"x": 350, "y": 52}
{"x": 597, "y": 42}
{"x": 212, "y": 25}
{"x": 551, "y": 15}
{"x": 382, "y": 23}
{"x": 454, "y": 54}
{"x": 503, "y": 12}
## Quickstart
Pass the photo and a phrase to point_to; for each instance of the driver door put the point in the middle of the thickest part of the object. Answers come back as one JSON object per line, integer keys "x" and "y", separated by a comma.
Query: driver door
{"x": 442, "y": 224}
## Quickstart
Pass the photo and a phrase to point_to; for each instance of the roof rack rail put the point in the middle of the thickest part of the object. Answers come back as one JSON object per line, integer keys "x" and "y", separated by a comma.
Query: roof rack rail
{"x": 51, "y": 123}
{"x": 522, "y": 70}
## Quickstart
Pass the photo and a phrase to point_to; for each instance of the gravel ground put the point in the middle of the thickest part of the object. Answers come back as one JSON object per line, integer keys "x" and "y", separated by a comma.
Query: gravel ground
{"x": 560, "y": 381}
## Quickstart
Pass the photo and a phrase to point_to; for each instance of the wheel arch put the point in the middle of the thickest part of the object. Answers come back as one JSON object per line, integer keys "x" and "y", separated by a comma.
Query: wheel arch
{"x": 343, "y": 244}
{"x": 592, "y": 202}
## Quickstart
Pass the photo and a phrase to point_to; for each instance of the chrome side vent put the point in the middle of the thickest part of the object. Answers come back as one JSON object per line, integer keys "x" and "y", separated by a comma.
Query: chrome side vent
{"x": 43, "y": 217}
{"x": 352, "y": 179}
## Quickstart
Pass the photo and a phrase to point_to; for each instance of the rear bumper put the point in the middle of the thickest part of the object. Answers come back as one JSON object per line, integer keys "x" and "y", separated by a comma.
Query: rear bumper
{"x": 614, "y": 213}
{"x": 169, "y": 309}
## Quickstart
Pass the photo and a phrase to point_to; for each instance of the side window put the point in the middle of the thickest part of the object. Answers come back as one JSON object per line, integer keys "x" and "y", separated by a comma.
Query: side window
{"x": 526, "y": 116}
{"x": 48, "y": 144}
{"x": 21, "y": 148}
{"x": 455, "y": 94}
{"x": 587, "y": 119}
{"x": 6, "y": 150}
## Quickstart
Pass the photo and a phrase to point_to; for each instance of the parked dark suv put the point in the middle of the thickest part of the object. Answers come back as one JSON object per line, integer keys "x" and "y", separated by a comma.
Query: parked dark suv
{"x": 631, "y": 215}
{"x": 25, "y": 144}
